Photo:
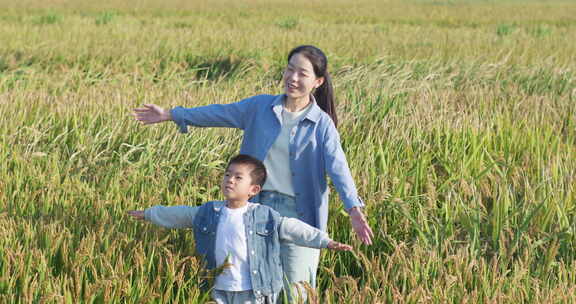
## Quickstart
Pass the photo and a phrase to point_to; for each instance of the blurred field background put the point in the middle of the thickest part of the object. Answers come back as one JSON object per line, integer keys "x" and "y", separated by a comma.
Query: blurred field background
{"x": 458, "y": 119}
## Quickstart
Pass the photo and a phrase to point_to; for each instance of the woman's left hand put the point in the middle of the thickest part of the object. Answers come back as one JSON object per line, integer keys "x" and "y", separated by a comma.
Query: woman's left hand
{"x": 360, "y": 225}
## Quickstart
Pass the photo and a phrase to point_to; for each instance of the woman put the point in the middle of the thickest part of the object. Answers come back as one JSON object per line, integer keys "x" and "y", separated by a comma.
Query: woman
{"x": 295, "y": 135}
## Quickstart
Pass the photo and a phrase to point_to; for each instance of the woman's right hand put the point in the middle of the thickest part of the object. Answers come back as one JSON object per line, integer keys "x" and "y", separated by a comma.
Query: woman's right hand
{"x": 151, "y": 114}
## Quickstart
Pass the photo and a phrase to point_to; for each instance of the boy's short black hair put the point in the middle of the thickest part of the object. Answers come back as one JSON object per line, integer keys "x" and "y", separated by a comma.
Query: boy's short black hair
{"x": 258, "y": 173}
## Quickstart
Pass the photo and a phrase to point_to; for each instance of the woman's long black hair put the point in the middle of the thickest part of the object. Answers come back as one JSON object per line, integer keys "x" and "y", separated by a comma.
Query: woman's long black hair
{"x": 324, "y": 94}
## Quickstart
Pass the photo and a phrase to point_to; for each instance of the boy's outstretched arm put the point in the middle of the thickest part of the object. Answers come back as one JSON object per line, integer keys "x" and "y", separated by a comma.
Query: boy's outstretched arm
{"x": 302, "y": 234}
{"x": 167, "y": 216}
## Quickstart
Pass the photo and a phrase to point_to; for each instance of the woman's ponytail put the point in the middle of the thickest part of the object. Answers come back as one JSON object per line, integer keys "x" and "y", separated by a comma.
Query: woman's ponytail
{"x": 324, "y": 96}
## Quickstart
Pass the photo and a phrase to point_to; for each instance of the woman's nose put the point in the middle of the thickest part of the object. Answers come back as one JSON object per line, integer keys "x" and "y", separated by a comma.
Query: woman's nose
{"x": 291, "y": 76}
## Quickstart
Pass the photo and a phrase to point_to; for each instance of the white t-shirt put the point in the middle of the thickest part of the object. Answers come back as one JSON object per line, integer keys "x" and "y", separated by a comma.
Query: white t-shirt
{"x": 277, "y": 160}
{"x": 231, "y": 243}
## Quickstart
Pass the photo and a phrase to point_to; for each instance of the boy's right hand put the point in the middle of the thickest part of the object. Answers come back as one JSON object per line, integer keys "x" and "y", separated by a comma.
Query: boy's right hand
{"x": 151, "y": 114}
{"x": 137, "y": 214}
{"x": 339, "y": 246}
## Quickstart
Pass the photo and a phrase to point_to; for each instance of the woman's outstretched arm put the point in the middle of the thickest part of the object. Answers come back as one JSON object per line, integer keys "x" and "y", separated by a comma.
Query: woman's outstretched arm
{"x": 339, "y": 172}
{"x": 233, "y": 115}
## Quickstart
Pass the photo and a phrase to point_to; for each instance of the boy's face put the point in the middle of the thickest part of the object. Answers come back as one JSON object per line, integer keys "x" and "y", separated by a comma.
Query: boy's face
{"x": 237, "y": 183}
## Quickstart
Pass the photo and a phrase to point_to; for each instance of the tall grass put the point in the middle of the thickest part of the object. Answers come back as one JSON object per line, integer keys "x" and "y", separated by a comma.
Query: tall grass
{"x": 458, "y": 121}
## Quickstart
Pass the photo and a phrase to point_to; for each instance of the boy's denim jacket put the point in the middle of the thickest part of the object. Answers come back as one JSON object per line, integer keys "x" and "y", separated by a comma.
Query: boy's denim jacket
{"x": 265, "y": 229}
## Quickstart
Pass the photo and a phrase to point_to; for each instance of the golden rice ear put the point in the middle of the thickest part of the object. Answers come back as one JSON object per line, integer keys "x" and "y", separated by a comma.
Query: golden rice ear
{"x": 294, "y": 292}
{"x": 311, "y": 292}
{"x": 299, "y": 293}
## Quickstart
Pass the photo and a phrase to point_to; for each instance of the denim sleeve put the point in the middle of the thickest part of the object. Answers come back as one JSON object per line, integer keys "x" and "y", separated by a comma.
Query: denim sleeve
{"x": 338, "y": 170}
{"x": 233, "y": 115}
{"x": 172, "y": 216}
{"x": 297, "y": 232}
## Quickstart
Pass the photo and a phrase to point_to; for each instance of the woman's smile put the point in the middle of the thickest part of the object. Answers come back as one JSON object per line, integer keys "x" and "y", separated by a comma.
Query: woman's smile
{"x": 291, "y": 86}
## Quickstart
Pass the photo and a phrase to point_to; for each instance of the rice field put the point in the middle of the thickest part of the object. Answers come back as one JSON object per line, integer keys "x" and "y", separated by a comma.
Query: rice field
{"x": 458, "y": 119}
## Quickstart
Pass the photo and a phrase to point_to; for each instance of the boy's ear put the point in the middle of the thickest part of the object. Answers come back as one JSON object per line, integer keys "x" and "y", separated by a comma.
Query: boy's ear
{"x": 255, "y": 189}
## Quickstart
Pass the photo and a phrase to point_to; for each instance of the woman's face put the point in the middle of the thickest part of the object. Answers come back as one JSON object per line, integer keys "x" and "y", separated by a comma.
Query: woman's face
{"x": 299, "y": 78}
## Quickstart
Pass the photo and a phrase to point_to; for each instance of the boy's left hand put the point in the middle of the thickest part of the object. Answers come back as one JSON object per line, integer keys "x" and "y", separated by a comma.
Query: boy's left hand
{"x": 339, "y": 246}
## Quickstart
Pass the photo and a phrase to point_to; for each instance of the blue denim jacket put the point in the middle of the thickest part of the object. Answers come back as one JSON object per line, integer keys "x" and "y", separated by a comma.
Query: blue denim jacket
{"x": 315, "y": 148}
{"x": 265, "y": 229}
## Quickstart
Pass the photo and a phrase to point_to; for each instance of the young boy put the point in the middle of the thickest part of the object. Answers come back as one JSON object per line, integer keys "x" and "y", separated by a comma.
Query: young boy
{"x": 246, "y": 235}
